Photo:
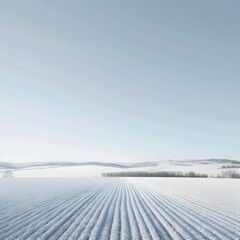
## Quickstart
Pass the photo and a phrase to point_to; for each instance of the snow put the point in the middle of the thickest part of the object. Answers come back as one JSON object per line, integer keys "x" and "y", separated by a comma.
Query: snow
{"x": 75, "y": 171}
{"x": 211, "y": 169}
{"x": 114, "y": 208}
{"x": 78, "y": 171}
{"x": 94, "y": 169}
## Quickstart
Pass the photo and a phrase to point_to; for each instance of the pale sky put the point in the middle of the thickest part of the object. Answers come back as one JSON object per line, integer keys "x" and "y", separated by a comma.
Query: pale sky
{"x": 119, "y": 81}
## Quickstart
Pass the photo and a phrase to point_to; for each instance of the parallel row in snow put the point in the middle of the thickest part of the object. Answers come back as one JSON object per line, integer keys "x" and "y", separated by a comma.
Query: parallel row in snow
{"x": 110, "y": 209}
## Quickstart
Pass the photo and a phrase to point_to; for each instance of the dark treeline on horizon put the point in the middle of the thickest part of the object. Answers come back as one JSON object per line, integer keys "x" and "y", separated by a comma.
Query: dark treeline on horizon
{"x": 154, "y": 174}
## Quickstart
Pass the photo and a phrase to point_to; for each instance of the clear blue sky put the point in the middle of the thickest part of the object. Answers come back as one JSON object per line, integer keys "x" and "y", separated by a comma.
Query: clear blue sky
{"x": 119, "y": 80}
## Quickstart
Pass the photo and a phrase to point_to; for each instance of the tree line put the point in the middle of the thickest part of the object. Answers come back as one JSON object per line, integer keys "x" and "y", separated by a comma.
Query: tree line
{"x": 154, "y": 174}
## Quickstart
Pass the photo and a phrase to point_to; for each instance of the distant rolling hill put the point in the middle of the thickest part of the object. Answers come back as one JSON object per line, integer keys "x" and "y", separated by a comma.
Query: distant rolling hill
{"x": 4, "y": 165}
{"x": 211, "y": 167}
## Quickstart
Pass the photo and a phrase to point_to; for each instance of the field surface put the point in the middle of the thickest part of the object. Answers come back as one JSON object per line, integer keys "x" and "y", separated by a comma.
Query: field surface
{"x": 108, "y": 208}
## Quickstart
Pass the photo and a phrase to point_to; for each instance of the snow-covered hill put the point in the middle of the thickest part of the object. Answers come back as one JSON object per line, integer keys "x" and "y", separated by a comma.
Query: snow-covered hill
{"x": 212, "y": 167}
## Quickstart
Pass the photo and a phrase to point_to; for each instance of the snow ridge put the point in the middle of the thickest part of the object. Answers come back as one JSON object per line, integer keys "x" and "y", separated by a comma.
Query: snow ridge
{"x": 112, "y": 209}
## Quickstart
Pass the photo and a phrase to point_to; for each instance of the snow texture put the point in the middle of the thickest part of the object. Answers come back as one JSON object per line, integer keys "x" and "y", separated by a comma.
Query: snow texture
{"x": 109, "y": 208}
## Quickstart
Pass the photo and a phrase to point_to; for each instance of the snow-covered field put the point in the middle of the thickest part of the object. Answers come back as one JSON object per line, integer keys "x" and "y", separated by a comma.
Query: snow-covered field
{"x": 211, "y": 167}
{"x": 129, "y": 208}
{"x": 70, "y": 169}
